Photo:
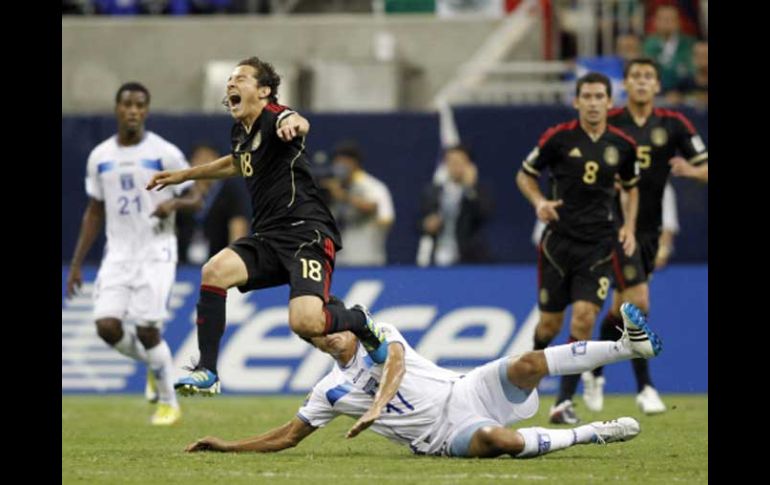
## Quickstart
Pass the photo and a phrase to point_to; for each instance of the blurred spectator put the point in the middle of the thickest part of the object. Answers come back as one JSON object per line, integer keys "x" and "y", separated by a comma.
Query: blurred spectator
{"x": 694, "y": 89}
{"x": 671, "y": 49}
{"x": 454, "y": 212}
{"x": 223, "y": 218}
{"x": 362, "y": 206}
{"x": 628, "y": 46}
{"x": 690, "y": 12}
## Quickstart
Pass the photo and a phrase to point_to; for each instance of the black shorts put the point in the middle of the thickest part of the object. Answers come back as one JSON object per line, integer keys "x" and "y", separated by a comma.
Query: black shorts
{"x": 636, "y": 269}
{"x": 304, "y": 260}
{"x": 570, "y": 270}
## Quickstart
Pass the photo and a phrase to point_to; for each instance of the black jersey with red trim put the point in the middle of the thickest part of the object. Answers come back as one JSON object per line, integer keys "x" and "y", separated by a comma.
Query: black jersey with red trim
{"x": 284, "y": 194}
{"x": 664, "y": 134}
{"x": 582, "y": 174}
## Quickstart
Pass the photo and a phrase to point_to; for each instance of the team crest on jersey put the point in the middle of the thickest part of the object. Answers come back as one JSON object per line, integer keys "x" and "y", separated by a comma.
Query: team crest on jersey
{"x": 629, "y": 272}
{"x": 126, "y": 181}
{"x": 659, "y": 136}
{"x": 611, "y": 155}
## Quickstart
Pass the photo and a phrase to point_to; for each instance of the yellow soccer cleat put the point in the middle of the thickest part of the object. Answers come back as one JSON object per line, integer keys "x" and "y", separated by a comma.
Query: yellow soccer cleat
{"x": 166, "y": 415}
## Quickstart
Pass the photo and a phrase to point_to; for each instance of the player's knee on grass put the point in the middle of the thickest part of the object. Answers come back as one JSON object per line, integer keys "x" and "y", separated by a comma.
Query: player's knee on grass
{"x": 110, "y": 330}
{"x": 583, "y": 318}
{"x": 149, "y": 336}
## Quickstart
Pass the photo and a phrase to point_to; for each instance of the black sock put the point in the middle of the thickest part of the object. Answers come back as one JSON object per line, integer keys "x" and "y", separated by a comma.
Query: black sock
{"x": 642, "y": 373}
{"x": 339, "y": 319}
{"x": 211, "y": 324}
{"x": 609, "y": 331}
{"x": 568, "y": 384}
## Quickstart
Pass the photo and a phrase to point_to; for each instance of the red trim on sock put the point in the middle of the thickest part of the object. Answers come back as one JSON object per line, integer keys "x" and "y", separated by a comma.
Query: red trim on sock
{"x": 214, "y": 289}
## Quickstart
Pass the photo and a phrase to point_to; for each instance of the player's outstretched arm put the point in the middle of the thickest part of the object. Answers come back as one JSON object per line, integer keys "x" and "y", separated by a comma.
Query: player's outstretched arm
{"x": 392, "y": 375}
{"x": 218, "y": 169}
{"x": 281, "y": 438}
{"x": 293, "y": 126}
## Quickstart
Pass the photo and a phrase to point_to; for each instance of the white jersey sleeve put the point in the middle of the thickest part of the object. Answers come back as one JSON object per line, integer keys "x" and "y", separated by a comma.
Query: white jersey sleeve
{"x": 94, "y": 187}
{"x": 317, "y": 411}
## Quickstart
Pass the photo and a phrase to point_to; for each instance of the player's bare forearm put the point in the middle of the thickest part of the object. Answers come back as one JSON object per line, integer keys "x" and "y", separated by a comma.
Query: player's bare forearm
{"x": 90, "y": 227}
{"x": 281, "y": 438}
{"x": 701, "y": 173}
{"x": 218, "y": 169}
{"x": 392, "y": 375}
{"x": 631, "y": 208}
{"x": 529, "y": 188}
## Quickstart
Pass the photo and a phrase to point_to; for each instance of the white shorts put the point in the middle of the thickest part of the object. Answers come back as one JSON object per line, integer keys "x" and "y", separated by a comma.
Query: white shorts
{"x": 137, "y": 291}
{"x": 485, "y": 397}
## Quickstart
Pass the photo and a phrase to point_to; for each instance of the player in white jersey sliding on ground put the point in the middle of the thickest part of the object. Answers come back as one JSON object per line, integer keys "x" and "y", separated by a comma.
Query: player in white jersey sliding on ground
{"x": 435, "y": 411}
{"x": 139, "y": 264}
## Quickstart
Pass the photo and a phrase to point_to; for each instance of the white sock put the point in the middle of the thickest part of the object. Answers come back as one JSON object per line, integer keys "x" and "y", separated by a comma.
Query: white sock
{"x": 130, "y": 346}
{"x": 160, "y": 362}
{"x": 539, "y": 441}
{"x": 581, "y": 356}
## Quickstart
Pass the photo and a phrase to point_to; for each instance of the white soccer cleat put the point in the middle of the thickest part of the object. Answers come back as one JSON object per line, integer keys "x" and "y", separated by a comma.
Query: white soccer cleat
{"x": 621, "y": 429}
{"x": 593, "y": 391}
{"x": 649, "y": 401}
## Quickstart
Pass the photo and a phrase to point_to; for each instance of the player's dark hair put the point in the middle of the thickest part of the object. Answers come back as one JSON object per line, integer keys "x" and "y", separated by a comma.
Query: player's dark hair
{"x": 266, "y": 75}
{"x": 642, "y": 61}
{"x": 594, "y": 77}
{"x": 132, "y": 86}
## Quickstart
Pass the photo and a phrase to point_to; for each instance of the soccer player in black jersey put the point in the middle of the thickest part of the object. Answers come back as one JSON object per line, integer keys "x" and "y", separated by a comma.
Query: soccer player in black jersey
{"x": 294, "y": 236}
{"x": 584, "y": 157}
{"x": 660, "y": 135}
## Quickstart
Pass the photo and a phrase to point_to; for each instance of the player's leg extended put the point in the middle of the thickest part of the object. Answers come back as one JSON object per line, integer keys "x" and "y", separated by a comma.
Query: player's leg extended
{"x": 492, "y": 441}
{"x": 111, "y": 298}
{"x": 220, "y": 273}
{"x": 584, "y": 315}
{"x": 223, "y": 271}
{"x": 519, "y": 377}
{"x": 312, "y": 313}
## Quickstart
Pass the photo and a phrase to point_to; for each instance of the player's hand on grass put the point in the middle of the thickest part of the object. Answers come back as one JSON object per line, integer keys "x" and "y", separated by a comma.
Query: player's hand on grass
{"x": 74, "y": 281}
{"x": 165, "y": 178}
{"x": 546, "y": 210}
{"x": 628, "y": 239}
{"x": 209, "y": 443}
{"x": 363, "y": 422}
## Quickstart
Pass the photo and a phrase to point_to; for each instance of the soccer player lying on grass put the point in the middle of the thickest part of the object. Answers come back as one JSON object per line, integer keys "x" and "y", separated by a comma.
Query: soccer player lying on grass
{"x": 435, "y": 411}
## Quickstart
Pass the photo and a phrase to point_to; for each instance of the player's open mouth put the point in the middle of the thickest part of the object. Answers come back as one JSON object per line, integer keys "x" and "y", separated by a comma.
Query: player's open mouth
{"x": 234, "y": 100}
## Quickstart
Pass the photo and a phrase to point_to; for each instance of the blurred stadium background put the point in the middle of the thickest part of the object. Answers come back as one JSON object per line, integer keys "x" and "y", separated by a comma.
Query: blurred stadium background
{"x": 403, "y": 78}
